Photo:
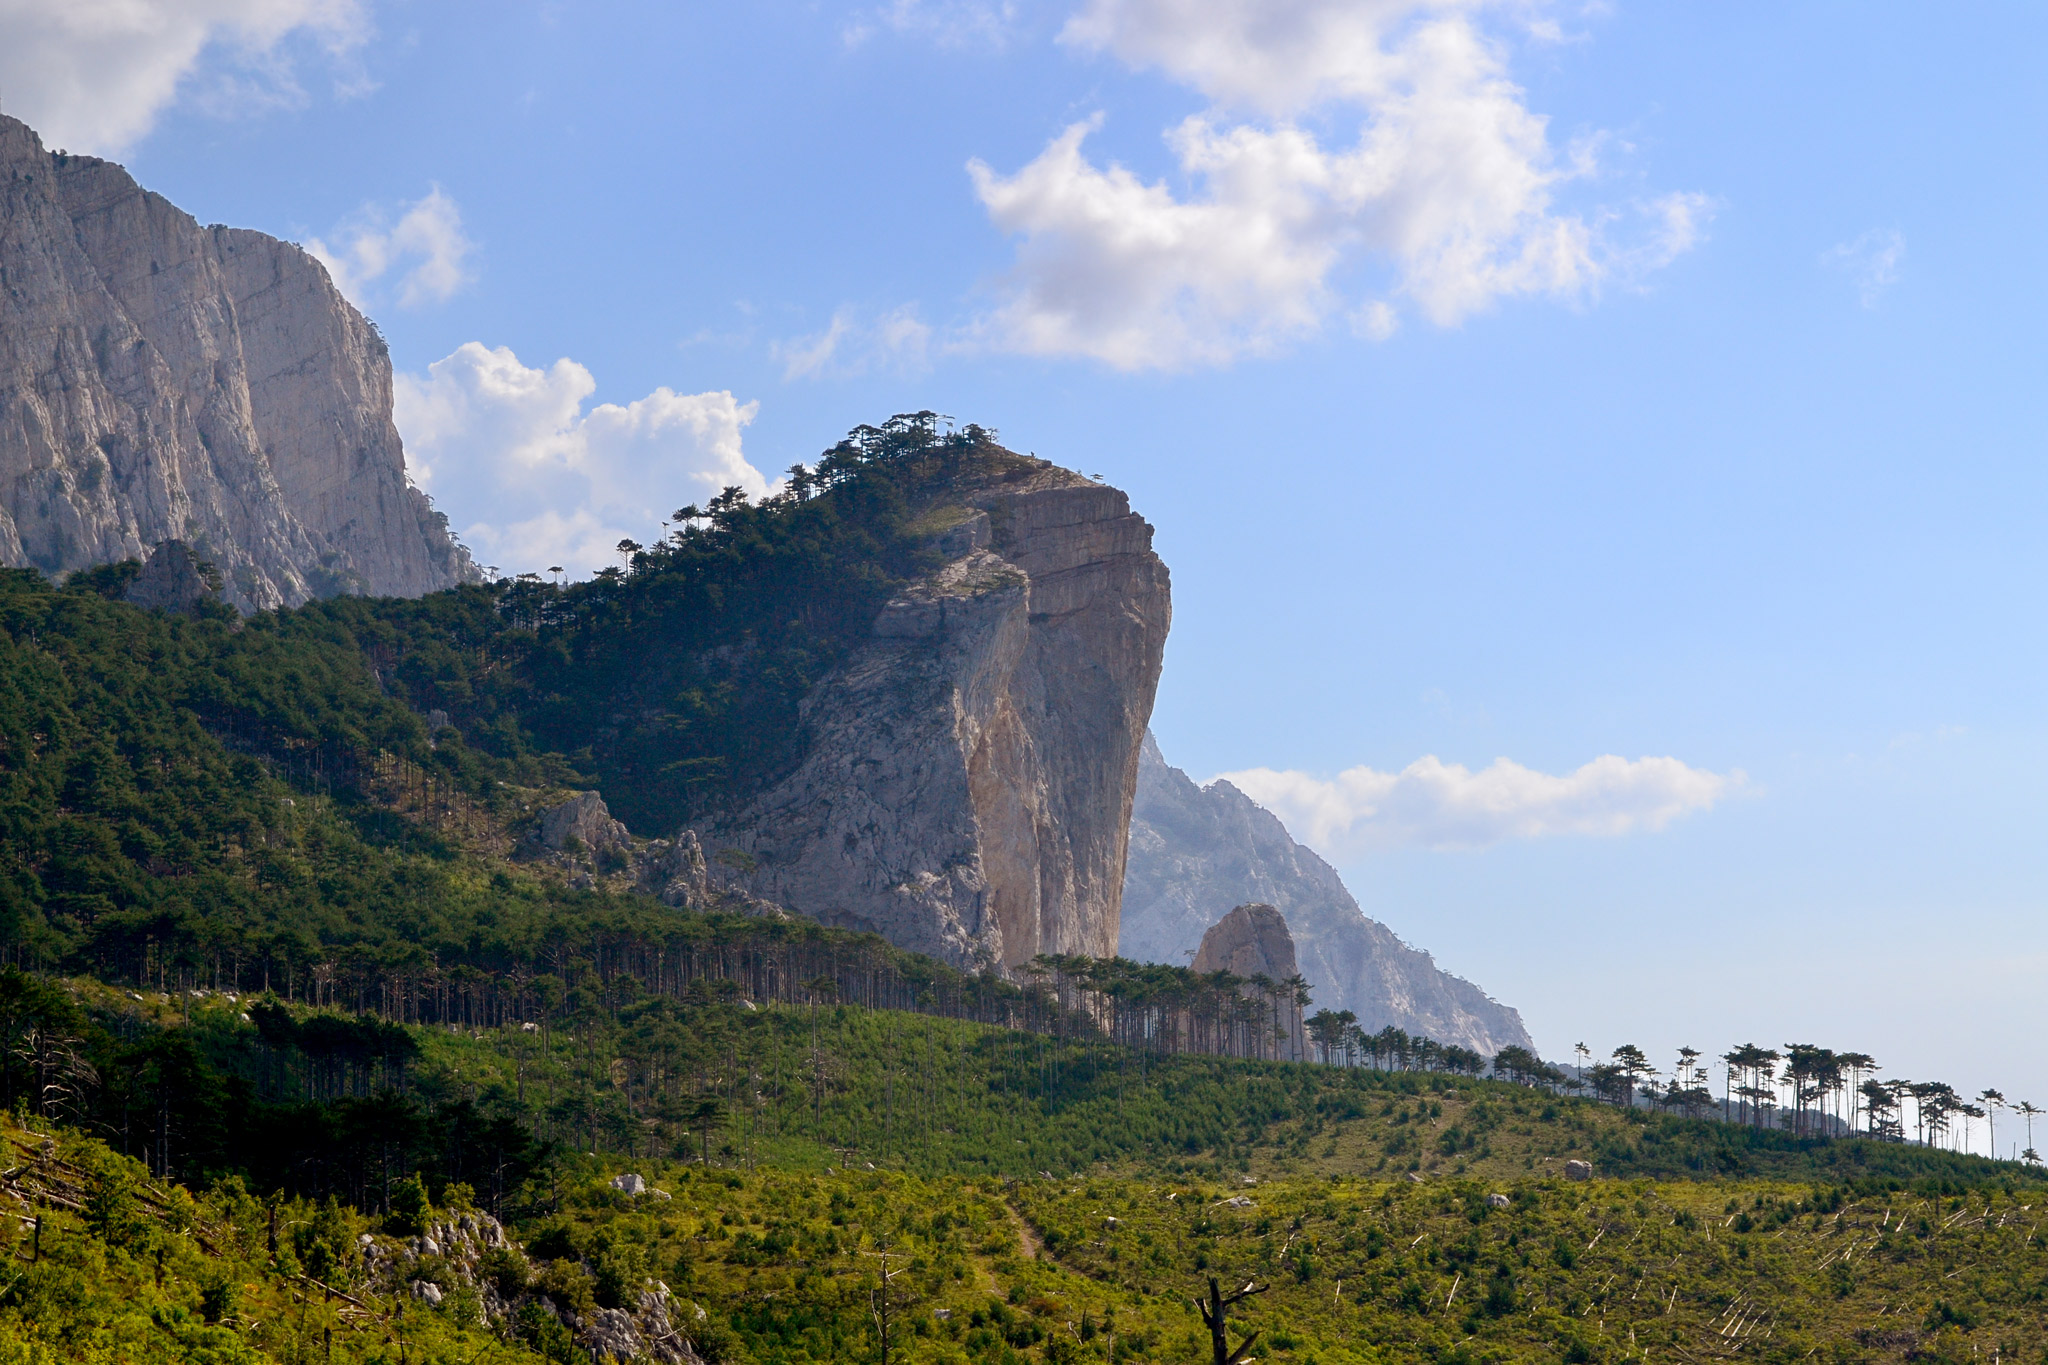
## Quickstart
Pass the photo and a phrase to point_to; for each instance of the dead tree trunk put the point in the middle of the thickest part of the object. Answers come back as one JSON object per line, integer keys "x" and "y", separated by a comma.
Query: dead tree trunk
{"x": 1215, "y": 1313}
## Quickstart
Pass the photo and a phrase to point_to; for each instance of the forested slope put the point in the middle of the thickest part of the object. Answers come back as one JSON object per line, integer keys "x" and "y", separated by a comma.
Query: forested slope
{"x": 1044, "y": 1198}
{"x": 198, "y": 798}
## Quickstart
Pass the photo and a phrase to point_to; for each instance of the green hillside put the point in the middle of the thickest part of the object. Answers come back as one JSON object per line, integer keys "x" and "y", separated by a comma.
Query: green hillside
{"x": 1044, "y": 1197}
{"x": 278, "y": 980}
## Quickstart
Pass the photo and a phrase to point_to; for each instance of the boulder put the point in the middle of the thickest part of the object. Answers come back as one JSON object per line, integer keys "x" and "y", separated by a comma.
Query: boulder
{"x": 629, "y": 1184}
{"x": 611, "y": 1332}
{"x": 675, "y": 872}
{"x": 1498, "y": 1201}
{"x": 584, "y": 818}
{"x": 1578, "y": 1170}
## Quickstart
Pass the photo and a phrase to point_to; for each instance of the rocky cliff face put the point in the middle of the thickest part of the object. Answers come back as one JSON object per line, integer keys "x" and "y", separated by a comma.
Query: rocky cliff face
{"x": 160, "y": 380}
{"x": 967, "y": 787}
{"x": 1196, "y": 852}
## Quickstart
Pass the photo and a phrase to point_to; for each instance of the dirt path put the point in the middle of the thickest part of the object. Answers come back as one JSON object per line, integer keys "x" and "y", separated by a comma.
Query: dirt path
{"x": 1033, "y": 1246}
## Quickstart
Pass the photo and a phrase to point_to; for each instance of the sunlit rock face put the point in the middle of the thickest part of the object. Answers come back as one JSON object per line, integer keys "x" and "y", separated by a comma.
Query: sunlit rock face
{"x": 967, "y": 787}
{"x": 160, "y": 380}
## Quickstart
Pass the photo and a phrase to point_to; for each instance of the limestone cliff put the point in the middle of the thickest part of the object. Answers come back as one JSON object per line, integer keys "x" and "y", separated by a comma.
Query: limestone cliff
{"x": 967, "y": 783}
{"x": 1198, "y": 851}
{"x": 160, "y": 380}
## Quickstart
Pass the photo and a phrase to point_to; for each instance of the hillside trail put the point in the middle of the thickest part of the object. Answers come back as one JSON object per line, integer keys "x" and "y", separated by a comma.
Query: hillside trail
{"x": 1034, "y": 1246}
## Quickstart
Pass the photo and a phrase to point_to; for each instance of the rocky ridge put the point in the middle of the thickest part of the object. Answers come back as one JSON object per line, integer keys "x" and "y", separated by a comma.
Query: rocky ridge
{"x": 160, "y": 381}
{"x": 1195, "y": 852}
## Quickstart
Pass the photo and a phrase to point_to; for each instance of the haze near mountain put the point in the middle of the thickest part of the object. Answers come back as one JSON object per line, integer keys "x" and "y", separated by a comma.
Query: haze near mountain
{"x": 1196, "y": 852}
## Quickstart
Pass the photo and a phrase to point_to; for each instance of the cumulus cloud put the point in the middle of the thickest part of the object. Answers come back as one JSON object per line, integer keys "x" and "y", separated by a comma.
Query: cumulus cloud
{"x": 1343, "y": 136}
{"x": 1872, "y": 261}
{"x": 532, "y": 477}
{"x": 1433, "y": 804}
{"x": 425, "y": 252}
{"x": 93, "y": 75}
{"x": 898, "y": 341}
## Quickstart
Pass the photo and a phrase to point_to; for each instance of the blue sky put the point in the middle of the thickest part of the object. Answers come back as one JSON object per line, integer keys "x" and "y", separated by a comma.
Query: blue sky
{"x": 1512, "y": 381}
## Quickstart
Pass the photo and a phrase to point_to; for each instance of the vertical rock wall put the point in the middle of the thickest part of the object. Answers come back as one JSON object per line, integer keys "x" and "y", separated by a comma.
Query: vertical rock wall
{"x": 164, "y": 381}
{"x": 968, "y": 785}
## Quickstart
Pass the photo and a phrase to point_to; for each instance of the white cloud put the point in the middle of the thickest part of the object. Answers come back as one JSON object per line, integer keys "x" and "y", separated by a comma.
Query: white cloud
{"x": 1445, "y": 183}
{"x": 425, "y": 248}
{"x": 532, "y": 479}
{"x": 897, "y": 341}
{"x": 1872, "y": 261}
{"x": 1433, "y": 804}
{"x": 949, "y": 23}
{"x": 92, "y": 75}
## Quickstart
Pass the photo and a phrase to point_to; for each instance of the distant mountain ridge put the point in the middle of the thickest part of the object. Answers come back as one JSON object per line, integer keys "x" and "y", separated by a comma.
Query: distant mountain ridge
{"x": 160, "y": 380}
{"x": 1197, "y": 852}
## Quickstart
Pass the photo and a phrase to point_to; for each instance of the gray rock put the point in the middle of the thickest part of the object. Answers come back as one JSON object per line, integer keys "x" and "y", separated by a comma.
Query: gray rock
{"x": 1197, "y": 851}
{"x": 612, "y": 1332}
{"x": 629, "y": 1184}
{"x": 427, "y": 1291}
{"x": 165, "y": 381}
{"x": 674, "y": 871}
{"x": 1252, "y": 941}
{"x": 1498, "y": 1201}
{"x": 173, "y": 579}
{"x": 968, "y": 784}
{"x": 584, "y": 818}
{"x": 1578, "y": 1170}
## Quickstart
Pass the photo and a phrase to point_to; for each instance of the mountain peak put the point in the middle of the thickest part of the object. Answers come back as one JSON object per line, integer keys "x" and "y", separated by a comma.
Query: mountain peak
{"x": 167, "y": 381}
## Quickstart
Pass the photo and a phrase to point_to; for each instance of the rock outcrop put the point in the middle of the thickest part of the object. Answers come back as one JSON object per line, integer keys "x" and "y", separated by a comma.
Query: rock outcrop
{"x": 967, "y": 787}
{"x": 452, "y": 1250}
{"x": 160, "y": 380}
{"x": 172, "y": 579}
{"x": 582, "y": 822}
{"x": 1250, "y": 941}
{"x": 1196, "y": 852}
